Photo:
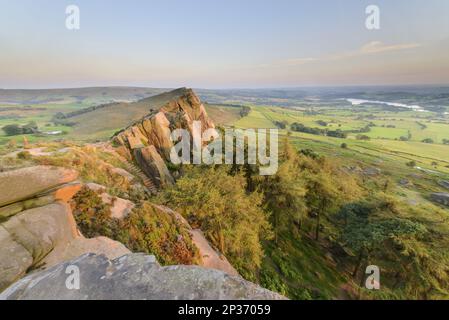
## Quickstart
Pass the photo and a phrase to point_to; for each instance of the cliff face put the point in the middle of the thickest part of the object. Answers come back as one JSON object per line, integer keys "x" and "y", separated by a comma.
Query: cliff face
{"x": 147, "y": 142}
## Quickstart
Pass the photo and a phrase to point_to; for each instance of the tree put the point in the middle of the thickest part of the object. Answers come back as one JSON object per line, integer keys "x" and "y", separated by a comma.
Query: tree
{"x": 363, "y": 137}
{"x": 344, "y": 146}
{"x": 322, "y": 195}
{"x": 231, "y": 218}
{"x": 284, "y": 192}
{"x": 30, "y": 128}
{"x": 411, "y": 164}
{"x": 428, "y": 140}
{"x": 12, "y": 130}
{"x": 281, "y": 124}
{"x": 369, "y": 225}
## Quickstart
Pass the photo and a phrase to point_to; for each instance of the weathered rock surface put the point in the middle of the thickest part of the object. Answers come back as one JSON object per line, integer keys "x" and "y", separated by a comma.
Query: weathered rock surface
{"x": 152, "y": 164}
{"x": 137, "y": 277}
{"x": 372, "y": 171}
{"x": 80, "y": 245}
{"x": 444, "y": 184}
{"x": 441, "y": 198}
{"x": 39, "y": 230}
{"x": 125, "y": 174}
{"x": 211, "y": 259}
{"x": 64, "y": 194}
{"x": 14, "y": 259}
{"x": 120, "y": 208}
{"x": 25, "y": 183}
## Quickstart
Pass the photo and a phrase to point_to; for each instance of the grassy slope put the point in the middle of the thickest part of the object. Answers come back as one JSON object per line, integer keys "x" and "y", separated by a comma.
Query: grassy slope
{"x": 222, "y": 114}
{"x": 22, "y": 106}
{"x": 102, "y": 123}
{"x": 297, "y": 266}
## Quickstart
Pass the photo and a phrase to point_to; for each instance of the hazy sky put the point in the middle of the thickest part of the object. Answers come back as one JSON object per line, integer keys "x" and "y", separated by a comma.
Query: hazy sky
{"x": 223, "y": 44}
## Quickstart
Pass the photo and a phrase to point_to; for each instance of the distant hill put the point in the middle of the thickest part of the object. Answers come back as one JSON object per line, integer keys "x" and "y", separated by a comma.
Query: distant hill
{"x": 76, "y": 95}
{"x": 102, "y": 122}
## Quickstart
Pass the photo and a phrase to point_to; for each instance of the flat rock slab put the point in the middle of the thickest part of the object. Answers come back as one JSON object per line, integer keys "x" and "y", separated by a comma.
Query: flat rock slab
{"x": 441, "y": 198}
{"x": 22, "y": 184}
{"x": 79, "y": 246}
{"x": 444, "y": 184}
{"x": 134, "y": 277}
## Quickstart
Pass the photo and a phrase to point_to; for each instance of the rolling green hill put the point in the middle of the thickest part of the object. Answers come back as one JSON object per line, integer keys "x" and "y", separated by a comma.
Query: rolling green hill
{"x": 103, "y": 122}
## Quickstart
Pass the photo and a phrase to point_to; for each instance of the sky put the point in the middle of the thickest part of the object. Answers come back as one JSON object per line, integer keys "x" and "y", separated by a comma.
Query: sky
{"x": 223, "y": 44}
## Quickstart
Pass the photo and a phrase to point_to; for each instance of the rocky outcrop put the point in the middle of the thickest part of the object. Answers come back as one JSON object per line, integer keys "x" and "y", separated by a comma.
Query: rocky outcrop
{"x": 152, "y": 164}
{"x": 134, "y": 276}
{"x": 26, "y": 183}
{"x": 444, "y": 184}
{"x": 372, "y": 171}
{"x": 37, "y": 228}
{"x": 441, "y": 198}
{"x": 147, "y": 142}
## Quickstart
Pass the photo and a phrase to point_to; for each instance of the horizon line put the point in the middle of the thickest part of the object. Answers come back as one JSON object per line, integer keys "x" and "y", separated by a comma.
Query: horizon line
{"x": 235, "y": 88}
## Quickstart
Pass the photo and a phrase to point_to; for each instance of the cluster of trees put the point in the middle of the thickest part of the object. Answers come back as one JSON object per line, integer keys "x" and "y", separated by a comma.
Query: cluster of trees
{"x": 217, "y": 201}
{"x": 225, "y": 200}
{"x": 299, "y": 127}
{"x": 242, "y": 213}
{"x": 15, "y": 129}
{"x": 365, "y": 129}
{"x": 370, "y": 226}
{"x": 421, "y": 125}
{"x": 281, "y": 124}
{"x": 322, "y": 123}
{"x": 244, "y": 111}
{"x": 427, "y": 140}
{"x": 362, "y": 137}
{"x": 406, "y": 138}
{"x": 60, "y": 119}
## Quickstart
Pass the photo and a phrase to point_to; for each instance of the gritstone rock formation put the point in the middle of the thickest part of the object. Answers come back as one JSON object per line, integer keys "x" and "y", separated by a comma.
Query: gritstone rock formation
{"x": 37, "y": 228}
{"x": 147, "y": 142}
{"x": 39, "y": 235}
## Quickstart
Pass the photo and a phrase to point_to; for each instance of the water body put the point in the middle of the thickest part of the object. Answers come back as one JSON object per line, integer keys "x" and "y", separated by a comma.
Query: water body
{"x": 357, "y": 102}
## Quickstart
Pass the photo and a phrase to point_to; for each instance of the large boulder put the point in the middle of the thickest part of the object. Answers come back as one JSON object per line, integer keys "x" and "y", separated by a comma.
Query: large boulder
{"x": 79, "y": 246}
{"x": 29, "y": 238}
{"x": 134, "y": 277}
{"x": 14, "y": 259}
{"x": 42, "y": 229}
{"x": 64, "y": 194}
{"x": 18, "y": 185}
{"x": 372, "y": 171}
{"x": 38, "y": 230}
{"x": 444, "y": 184}
{"x": 157, "y": 129}
{"x": 441, "y": 198}
{"x": 153, "y": 165}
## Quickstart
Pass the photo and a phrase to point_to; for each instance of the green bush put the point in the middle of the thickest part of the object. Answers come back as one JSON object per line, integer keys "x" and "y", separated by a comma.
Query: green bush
{"x": 24, "y": 155}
